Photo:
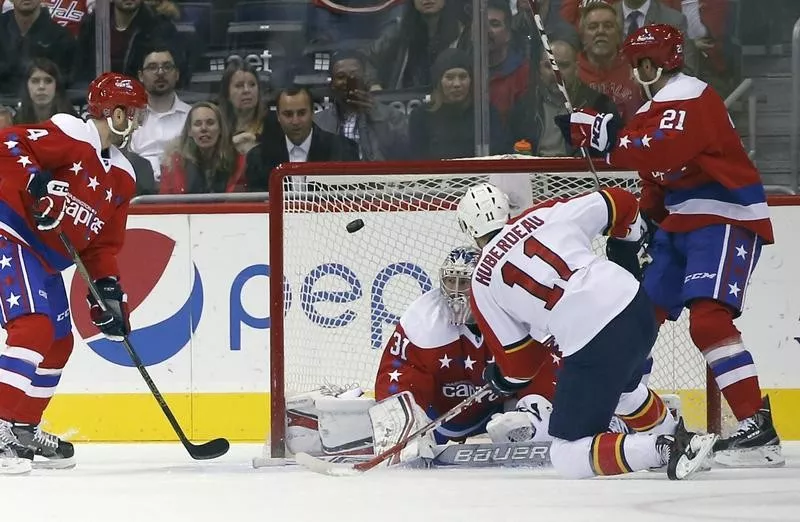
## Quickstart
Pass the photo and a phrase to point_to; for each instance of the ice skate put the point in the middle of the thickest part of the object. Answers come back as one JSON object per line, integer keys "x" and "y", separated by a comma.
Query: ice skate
{"x": 15, "y": 459}
{"x": 754, "y": 444}
{"x": 685, "y": 452}
{"x": 56, "y": 453}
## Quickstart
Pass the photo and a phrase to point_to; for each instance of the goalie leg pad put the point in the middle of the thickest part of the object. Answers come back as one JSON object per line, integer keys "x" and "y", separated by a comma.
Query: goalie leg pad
{"x": 344, "y": 425}
{"x": 393, "y": 419}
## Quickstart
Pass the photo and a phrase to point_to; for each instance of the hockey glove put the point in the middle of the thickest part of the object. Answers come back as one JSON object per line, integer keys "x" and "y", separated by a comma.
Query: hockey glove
{"x": 499, "y": 384}
{"x": 113, "y": 322}
{"x": 625, "y": 254}
{"x": 49, "y": 199}
{"x": 588, "y": 128}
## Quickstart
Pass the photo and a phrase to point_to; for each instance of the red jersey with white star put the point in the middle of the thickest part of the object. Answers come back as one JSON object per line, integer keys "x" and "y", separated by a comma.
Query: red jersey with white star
{"x": 694, "y": 169}
{"x": 540, "y": 276}
{"x": 97, "y": 205}
{"x": 442, "y": 364}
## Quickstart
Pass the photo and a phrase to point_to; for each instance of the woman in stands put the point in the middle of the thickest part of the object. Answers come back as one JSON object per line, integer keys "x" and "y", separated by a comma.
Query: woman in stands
{"x": 203, "y": 159}
{"x": 43, "y": 93}
{"x": 242, "y": 104}
{"x": 444, "y": 128}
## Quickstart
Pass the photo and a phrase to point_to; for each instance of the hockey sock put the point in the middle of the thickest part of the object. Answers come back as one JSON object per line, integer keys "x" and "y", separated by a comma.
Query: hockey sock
{"x": 712, "y": 330}
{"x": 43, "y": 385}
{"x": 29, "y": 337}
{"x": 643, "y": 410}
{"x": 617, "y": 453}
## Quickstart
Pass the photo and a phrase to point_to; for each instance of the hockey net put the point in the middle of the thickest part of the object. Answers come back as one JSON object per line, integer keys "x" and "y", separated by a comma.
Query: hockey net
{"x": 337, "y": 294}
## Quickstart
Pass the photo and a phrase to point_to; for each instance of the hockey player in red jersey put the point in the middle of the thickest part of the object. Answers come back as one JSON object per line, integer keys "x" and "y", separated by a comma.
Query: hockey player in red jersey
{"x": 61, "y": 175}
{"x": 537, "y": 276}
{"x": 437, "y": 353}
{"x": 707, "y": 198}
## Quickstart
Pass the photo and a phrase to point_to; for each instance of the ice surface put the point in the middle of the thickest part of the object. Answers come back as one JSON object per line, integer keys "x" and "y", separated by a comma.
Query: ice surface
{"x": 159, "y": 482}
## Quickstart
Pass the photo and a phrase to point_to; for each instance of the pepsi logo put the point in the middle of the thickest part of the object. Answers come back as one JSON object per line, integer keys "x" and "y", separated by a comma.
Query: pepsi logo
{"x": 142, "y": 263}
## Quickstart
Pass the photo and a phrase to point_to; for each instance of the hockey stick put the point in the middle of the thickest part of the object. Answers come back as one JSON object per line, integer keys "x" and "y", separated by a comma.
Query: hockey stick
{"x": 537, "y": 18}
{"x": 324, "y": 467}
{"x": 205, "y": 451}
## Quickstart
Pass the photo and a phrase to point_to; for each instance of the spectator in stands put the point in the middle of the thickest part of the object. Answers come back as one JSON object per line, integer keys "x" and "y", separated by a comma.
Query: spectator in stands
{"x": 445, "y": 128}
{"x": 381, "y": 131}
{"x": 403, "y": 55}
{"x": 242, "y": 104}
{"x": 633, "y": 14}
{"x": 44, "y": 93}
{"x": 203, "y": 159}
{"x": 66, "y": 13}
{"x": 165, "y": 8}
{"x": 133, "y": 27}
{"x": 532, "y": 119}
{"x": 557, "y": 28}
{"x": 298, "y": 139}
{"x": 600, "y": 65}
{"x": 509, "y": 68}
{"x": 28, "y": 32}
{"x": 6, "y": 117}
{"x": 166, "y": 113}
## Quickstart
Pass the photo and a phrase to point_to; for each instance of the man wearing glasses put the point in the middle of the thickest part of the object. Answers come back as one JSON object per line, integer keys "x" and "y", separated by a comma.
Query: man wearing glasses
{"x": 166, "y": 113}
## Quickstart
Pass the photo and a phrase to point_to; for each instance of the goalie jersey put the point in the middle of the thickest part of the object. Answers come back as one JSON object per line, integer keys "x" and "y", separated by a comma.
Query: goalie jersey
{"x": 442, "y": 364}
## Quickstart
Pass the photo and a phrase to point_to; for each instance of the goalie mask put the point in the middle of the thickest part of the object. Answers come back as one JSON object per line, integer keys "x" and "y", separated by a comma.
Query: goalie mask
{"x": 455, "y": 277}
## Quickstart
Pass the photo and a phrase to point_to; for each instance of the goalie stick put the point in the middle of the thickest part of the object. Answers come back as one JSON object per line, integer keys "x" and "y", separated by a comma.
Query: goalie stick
{"x": 205, "y": 451}
{"x": 537, "y": 18}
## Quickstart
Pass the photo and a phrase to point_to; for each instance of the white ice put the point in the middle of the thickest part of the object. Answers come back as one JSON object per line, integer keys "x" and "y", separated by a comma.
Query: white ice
{"x": 159, "y": 482}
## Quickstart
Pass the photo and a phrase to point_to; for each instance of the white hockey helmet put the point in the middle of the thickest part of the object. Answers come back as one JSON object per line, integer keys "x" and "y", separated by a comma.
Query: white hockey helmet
{"x": 455, "y": 277}
{"x": 483, "y": 209}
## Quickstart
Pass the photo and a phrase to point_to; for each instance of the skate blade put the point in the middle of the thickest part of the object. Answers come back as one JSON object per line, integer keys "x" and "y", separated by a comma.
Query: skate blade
{"x": 54, "y": 463}
{"x": 15, "y": 466}
{"x": 685, "y": 468}
{"x": 760, "y": 457}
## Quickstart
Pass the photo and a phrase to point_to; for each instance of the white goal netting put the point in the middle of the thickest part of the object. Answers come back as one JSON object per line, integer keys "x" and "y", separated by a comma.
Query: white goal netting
{"x": 344, "y": 291}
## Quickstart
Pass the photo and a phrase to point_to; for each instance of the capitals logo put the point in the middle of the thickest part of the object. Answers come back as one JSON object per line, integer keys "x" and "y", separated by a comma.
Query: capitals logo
{"x": 142, "y": 264}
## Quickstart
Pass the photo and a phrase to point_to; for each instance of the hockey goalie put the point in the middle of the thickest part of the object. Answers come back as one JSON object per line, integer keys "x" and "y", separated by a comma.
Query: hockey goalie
{"x": 434, "y": 359}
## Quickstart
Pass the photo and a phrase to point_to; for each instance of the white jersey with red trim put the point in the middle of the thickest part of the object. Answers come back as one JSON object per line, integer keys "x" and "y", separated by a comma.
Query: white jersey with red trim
{"x": 540, "y": 275}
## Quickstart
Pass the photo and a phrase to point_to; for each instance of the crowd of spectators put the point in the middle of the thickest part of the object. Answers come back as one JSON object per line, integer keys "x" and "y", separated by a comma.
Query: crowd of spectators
{"x": 393, "y": 84}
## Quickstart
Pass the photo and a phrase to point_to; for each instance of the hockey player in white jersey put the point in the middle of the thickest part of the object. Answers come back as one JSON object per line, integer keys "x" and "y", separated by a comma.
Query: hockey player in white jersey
{"x": 538, "y": 276}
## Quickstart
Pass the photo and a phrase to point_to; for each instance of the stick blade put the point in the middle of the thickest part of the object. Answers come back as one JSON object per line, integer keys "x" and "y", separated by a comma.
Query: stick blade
{"x": 323, "y": 467}
{"x": 209, "y": 450}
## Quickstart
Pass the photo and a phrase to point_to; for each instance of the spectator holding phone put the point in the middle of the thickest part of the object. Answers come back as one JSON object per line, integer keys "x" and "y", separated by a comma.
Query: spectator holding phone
{"x": 381, "y": 131}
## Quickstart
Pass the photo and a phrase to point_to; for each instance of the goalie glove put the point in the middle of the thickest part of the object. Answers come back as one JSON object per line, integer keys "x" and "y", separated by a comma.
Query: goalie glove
{"x": 529, "y": 422}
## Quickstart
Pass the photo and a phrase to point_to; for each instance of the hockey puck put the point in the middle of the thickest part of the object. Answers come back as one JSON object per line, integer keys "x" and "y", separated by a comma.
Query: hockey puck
{"x": 355, "y": 225}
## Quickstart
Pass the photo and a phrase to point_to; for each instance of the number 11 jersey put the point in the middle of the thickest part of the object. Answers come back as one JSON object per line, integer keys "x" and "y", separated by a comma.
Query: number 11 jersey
{"x": 540, "y": 276}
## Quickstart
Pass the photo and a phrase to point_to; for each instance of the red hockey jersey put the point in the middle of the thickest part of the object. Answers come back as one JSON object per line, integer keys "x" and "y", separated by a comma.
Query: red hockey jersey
{"x": 442, "y": 364}
{"x": 66, "y": 13}
{"x": 100, "y": 190}
{"x": 694, "y": 169}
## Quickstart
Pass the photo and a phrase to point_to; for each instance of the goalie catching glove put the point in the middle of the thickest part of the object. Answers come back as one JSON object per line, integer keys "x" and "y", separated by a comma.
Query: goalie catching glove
{"x": 113, "y": 321}
{"x": 49, "y": 199}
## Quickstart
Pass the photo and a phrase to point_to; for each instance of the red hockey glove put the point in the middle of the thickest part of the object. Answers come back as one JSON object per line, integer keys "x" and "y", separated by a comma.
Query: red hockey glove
{"x": 113, "y": 322}
{"x": 499, "y": 384}
{"x": 588, "y": 128}
{"x": 49, "y": 199}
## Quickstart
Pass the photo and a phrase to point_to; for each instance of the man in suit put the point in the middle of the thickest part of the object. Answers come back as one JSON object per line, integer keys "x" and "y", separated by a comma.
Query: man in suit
{"x": 633, "y": 14}
{"x": 297, "y": 139}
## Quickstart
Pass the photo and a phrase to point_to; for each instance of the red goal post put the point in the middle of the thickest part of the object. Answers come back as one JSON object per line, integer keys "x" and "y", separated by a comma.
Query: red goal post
{"x": 335, "y": 294}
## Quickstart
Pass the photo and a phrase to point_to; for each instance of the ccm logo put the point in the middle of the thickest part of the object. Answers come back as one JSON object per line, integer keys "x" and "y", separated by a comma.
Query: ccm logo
{"x": 699, "y": 275}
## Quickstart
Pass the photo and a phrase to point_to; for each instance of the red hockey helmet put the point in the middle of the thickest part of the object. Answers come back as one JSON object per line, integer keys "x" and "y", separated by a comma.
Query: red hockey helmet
{"x": 662, "y": 43}
{"x": 111, "y": 90}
